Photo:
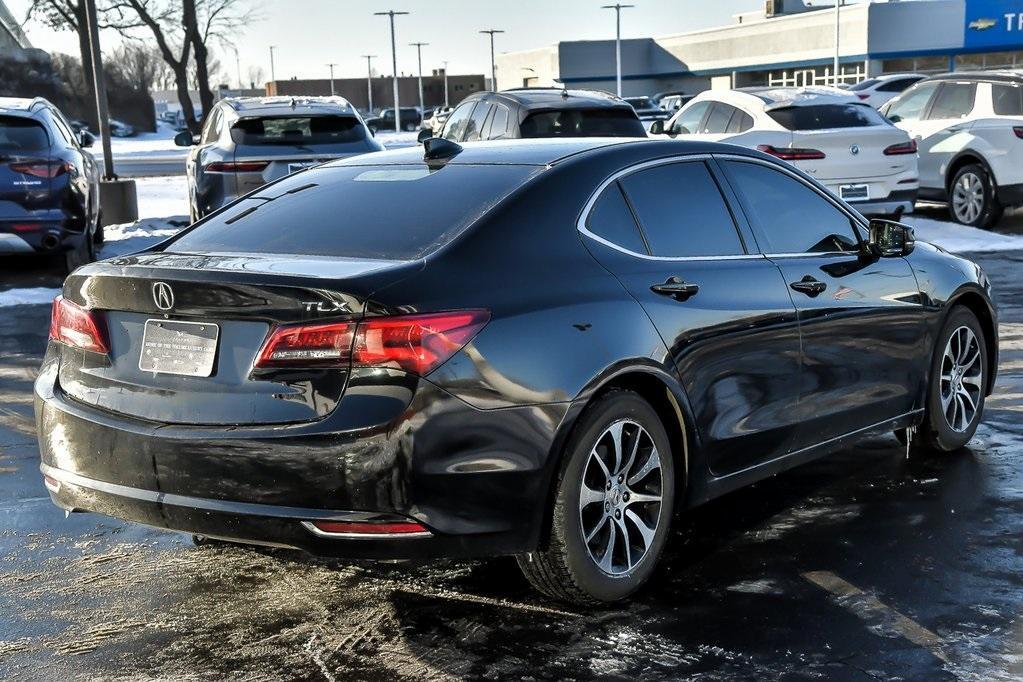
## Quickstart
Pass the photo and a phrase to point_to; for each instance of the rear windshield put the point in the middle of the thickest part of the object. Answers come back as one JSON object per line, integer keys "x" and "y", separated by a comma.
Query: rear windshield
{"x": 826, "y": 116}
{"x": 378, "y": 212}
{"x": 640, "y": 102}
{"x": 304, "y": 130}
{"x": 22, "y": 135}
{"x": 863, "y": 85}
{"x": 583, "y": 123}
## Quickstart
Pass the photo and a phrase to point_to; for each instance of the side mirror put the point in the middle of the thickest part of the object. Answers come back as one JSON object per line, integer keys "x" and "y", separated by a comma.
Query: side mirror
{"x": 657, "y": 128}
{"x": 889, "y": 239}
{"x": 184, "y": 139}
{"x": 424, "y": 135}
{"x": 86, "y": 139}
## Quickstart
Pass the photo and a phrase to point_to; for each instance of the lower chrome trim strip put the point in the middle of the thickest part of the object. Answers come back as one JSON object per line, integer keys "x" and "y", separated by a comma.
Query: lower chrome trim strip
{"x": 363, "y": 536}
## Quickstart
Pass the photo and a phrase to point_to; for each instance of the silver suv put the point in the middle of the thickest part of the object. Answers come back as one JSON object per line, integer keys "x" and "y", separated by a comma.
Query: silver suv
{"x": 247, "y": 142}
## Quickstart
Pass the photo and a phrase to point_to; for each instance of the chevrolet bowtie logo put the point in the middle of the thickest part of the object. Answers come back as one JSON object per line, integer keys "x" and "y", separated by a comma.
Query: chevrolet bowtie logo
{"x": 982, "y": 24}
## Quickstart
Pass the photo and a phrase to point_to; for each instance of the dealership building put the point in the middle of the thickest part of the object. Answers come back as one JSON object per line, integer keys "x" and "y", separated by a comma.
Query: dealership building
{"x": 789, "y": 42}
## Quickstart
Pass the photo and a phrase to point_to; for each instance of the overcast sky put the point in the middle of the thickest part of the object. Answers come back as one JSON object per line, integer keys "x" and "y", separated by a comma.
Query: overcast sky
{"x": 310, "y": 33}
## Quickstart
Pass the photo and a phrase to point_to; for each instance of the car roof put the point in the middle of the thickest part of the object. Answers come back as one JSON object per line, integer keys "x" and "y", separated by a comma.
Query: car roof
{"x": 270, "y": 106}
{"x": 24, "y": 105}
{"x": 1004, "y": 75}
{"x": 531, "y": 99}
{"x": 541, "y": 151}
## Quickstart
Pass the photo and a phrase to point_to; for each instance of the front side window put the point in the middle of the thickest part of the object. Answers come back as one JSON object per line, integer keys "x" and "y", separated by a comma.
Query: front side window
{"x": 1007, "y": 100}
{"x": 611, "y": 219}
{"x": 717, "y": 121}
{"x": 475, "y": 125}
{"x": 740, "y": 122}
{"x": 212, "y": 131}
{"x": 911, "y": 106}
{"x": 498, "y": 123}
{"x": 688, "y": 121}
{"x": 682, "y": 212}
{"x": 793, "y": 218}
{"x": 454, "y": 127}
{"x": 954, "y": 100}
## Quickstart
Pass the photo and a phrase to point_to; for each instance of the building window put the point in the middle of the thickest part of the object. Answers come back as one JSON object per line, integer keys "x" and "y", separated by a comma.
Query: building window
{"x": 819, "y": 75}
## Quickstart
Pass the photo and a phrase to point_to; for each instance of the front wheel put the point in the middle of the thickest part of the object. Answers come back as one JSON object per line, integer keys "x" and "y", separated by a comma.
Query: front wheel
{"x": 972, "y": 199}
{"x": 955, "y": 396}
{"x": 613, "y": 507}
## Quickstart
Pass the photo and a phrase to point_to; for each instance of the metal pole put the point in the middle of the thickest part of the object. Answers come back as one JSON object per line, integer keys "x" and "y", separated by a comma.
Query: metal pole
{"x": 394, "y": 66}
{"x": 618, "y": 7}
{"x": 446, "y": 84}
{"x": 238, "y": 69}
{"x": 493, "y": 63}
{"x": 332, "y": 65}
{"x": 838, "y": 7}
{"x": 369, "y": 81}
{"x": 419, "y": 56}
{"x": 273, "y": 78}
{"x": 100, "y": 87}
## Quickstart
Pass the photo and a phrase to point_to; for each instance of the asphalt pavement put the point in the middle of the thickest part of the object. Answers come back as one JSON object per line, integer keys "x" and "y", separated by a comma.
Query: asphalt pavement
{"x": 863, "y": 565}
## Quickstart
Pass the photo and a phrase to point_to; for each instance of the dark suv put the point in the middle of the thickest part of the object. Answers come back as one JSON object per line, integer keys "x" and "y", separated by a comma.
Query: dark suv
{"x": 541, "y": 112}
{"x": 411, "y": 119}
{"x": 49, "y": 185}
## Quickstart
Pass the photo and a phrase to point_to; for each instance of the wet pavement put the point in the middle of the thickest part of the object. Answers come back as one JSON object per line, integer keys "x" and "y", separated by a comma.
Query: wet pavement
{"x": 863, "y": 565}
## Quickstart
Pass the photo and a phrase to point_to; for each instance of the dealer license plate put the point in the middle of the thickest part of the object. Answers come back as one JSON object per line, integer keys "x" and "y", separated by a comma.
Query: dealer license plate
{"x": 854, "y": 192}
{"x": 185, "y": 348}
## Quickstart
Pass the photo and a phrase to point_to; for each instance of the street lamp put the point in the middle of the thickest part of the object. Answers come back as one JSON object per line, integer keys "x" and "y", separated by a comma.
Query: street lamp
{"x": 331, "y": 65}
{"x": 394, "y": 65}
{"x": 273, "y": 78}
{"x": 419, "y": 56}
{"x": 838, "y": 6}
{"x": 617, "y": 7}
{"x": 369, "y": 81}
{"x": 493, "y": 64}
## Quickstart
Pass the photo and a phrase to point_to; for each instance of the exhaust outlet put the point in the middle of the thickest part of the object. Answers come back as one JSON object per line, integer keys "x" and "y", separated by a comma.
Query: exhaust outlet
{"x": 51, "y": 241}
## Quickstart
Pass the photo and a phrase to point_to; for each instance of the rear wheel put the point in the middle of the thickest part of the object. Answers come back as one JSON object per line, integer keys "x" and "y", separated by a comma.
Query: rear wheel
{"x": 955, "y": 397}
{"x": 613, "y": 507}
{"x": 972, "y": 199}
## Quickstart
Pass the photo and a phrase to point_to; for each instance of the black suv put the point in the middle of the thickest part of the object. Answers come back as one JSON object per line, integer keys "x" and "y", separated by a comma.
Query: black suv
{"x": 49, "y": 185}
{"x": 541, "y": 112}
{"x": 411, "y": 119}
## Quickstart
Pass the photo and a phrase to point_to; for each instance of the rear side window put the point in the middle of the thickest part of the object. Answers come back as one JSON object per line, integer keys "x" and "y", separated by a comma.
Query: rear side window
{"x": 717, "y": 121}
{"x": 611, "y": 219}
{"x": 682, "y": 212}
{"x": 1008, "y": 100}
{"x": 954, "y": 100}
{"x": 304, "y": 130}
{"x": 827, "y": 116}
{"x": 792, "y": 217}
{"x": 740, "y": 122}
{"x": 498, "y": 123}
{"x": 22, "y": 135}
{"x": 863, "y": 85}
{"x": 583, "y": 123}
{"x": 475, "y": 126}
{"x": 351, "y": 211}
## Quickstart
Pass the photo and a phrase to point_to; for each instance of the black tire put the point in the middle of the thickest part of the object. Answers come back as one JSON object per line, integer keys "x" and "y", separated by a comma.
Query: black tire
{"x": 566, "y": 568}
{"x": 938, "y": 433}
{"x": 99, "y": 234}
{"x": 82, "y": 254}
{"x": 971, "y": 198}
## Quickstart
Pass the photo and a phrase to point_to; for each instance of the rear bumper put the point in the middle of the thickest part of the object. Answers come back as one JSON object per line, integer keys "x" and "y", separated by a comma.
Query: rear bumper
{"x": 477, "y": 480}
{"x": 899, "y": 201}
{"x": 42, "y": 232}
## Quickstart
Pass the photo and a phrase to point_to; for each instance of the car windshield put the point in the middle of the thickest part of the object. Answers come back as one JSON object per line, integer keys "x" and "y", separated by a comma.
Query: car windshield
{"x": 583, "y": 123}
{"x": 827, "y": 116}
{"x": 297, "y": 130}
{"x": 22, "y": 135}
{"x": 863, "y": 85}
{"x": 351, "y": 211}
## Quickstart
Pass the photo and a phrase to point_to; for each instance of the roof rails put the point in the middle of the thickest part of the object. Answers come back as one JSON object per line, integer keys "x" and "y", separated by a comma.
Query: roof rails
{"x": 22, "y": 103}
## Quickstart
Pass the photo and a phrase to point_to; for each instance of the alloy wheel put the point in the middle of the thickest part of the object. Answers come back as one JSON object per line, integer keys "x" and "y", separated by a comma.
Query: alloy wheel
{"x": 620, "y": 497}
{"x": 961, "y": 379}
{"x": 968, "y": 198}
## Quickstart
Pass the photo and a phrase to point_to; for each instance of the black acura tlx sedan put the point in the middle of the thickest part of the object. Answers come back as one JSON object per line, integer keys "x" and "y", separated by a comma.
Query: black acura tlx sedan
{"x": 541, "y": 349}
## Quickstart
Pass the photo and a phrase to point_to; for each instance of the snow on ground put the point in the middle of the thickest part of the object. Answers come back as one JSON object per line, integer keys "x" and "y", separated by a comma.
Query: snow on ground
{"x": 163, "y": 210}
{"x": 960, "y": 238}
{"x": 144, "y": 143}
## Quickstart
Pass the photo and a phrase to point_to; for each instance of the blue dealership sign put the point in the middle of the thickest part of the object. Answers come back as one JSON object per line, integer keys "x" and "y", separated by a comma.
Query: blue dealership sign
{"x": 994, "y": 24}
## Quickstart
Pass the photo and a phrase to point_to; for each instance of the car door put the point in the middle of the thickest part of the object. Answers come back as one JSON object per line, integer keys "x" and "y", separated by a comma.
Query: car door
{"x": 860, "y": 317}
{"x": 944, "y": 130}
{"x": 725, "y": 316}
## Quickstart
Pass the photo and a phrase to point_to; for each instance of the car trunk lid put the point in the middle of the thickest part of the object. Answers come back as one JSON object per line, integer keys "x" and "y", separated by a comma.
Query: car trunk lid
{"x": 853, "y": 154}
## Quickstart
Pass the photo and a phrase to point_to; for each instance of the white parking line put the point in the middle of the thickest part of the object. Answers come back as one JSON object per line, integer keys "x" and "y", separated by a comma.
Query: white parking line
{"x": 869, "y": 607}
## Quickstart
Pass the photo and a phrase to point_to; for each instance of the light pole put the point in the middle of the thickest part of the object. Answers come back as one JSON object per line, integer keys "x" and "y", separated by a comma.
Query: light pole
{"x": 369, "y": 81}
{"x": 331, "y": 65}
{"x": 617, "y": 7}
{"x": 273, "y": 78}
{"x": 394, "y": 66}
{"x": 238, "y": 68}
{"x": 445, "y": 85}
{"x": 493, "y": 64}
{"x": 838, "y": 6}
{"x": 419, "y": 56}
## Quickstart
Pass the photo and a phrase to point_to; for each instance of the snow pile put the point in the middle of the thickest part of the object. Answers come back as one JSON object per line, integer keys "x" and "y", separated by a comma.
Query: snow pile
{"x": 163, "y": 211}
{"x": 960, "y": 238}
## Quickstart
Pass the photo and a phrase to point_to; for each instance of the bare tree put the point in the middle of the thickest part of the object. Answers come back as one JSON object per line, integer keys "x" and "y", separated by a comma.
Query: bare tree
{"x": 137, "y": 65}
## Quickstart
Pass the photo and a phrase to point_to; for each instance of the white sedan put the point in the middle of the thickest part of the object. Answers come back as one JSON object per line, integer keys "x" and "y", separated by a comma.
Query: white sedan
{"x": 826, "y": 132}
{"x": 877, "y": 91}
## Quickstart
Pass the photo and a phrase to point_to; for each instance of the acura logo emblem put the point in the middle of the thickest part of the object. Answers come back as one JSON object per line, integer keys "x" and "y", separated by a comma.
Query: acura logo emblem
{"x": 163, "y": 295}
{"x": 854, "y": 150}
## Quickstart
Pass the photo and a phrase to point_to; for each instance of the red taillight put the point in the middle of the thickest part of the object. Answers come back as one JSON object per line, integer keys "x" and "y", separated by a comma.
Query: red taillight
{"x": 41, "y": 169}
{"x": 415, "y": 343}
{"x": 1019, "y": 131}
{"x": 77, "y": 327}
{"x": 901, "y": 148}
{"x": 368, "y": 528}
{"x": 792, "y": 154}
{"x": 862, "y": 96}
{"x": 26, "y": 227}
{"x": 236, "y": 166}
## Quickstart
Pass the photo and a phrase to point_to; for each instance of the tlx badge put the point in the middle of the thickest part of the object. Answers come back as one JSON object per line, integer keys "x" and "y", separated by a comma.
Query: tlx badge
{"x": 325, "y": 306}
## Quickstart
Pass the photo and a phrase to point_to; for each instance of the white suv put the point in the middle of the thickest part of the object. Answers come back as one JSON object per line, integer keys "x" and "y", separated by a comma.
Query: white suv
{"x": 969, "y": 128}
